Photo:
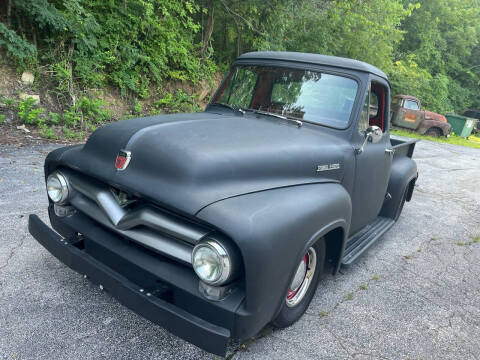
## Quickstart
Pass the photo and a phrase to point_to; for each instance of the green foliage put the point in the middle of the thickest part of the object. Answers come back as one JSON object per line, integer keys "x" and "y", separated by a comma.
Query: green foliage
{"x": 54, "y": 118}
{"x": 71, "y": 117}
{"x": 47, "y": 132}
{"x": 18, "y": 49}
{"x": 28, "y": 112}
{"x": 10, "y": 103}
{"x": 429, "y": 49}
{"x": 178, "y": 102}
{"x": 93, "y": 110}
{"x": 2, "y": 118}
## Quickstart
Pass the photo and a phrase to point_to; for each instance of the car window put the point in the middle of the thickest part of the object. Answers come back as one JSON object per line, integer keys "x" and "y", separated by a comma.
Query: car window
{"x": 396, "y": 102}
{"x": 364, "y": 118}
{"x": 240, "y": 89}
{"x": 373, "y": 105}
{"x": 411, "y": 104}
{"x": 301, "y": 94}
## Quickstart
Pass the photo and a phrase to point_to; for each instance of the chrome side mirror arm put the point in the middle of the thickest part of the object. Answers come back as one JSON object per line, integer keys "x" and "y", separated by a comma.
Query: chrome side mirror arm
{"x": 373, "y": 134}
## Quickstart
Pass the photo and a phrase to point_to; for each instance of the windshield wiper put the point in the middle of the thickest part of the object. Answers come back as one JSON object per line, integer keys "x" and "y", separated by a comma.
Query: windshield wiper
{"x": 231, "y": 107}
{"x": 298, "y": 122}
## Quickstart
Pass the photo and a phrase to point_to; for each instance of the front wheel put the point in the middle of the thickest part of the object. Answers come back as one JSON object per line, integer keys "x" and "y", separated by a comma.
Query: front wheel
{"x": 303, "y": 285}
{"x": 434, "y": 132}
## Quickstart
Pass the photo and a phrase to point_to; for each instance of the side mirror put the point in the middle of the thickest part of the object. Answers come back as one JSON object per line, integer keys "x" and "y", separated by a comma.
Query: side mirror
{"x": 373, "y": 134}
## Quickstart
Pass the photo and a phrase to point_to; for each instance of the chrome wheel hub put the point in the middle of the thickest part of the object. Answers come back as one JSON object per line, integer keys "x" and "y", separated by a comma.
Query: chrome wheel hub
{"x": 302, "y": 279}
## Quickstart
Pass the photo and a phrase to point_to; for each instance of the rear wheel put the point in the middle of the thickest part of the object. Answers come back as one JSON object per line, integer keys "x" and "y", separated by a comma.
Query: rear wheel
{"x": 303, "y": 285}
{"x": 434, "y": 132}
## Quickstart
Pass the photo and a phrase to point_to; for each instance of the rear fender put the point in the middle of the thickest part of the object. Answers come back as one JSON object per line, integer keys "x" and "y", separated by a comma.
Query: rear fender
{"x": 404, "y": 171}
{"x": 273, "y": 229}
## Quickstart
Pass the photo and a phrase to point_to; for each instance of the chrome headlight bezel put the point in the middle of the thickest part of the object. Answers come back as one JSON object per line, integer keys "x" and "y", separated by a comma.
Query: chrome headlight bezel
{"x": 224, "y": 261}
{"x": 63, "y": 189}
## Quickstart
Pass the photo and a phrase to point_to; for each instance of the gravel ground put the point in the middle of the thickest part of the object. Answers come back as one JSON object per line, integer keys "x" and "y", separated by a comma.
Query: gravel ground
{"x": 414, "y": 295}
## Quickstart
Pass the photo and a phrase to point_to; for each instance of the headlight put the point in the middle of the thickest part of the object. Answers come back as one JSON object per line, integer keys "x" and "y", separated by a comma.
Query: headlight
{"x": 57, "y": 188}
{"x": 212, "y": 262}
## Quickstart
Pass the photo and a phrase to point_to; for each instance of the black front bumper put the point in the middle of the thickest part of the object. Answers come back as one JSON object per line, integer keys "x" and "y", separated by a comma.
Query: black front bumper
{"x": 204, "y": 334}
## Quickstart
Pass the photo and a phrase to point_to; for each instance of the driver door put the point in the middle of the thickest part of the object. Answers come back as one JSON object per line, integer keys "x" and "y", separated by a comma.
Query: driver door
{"x": 372, "y": 169}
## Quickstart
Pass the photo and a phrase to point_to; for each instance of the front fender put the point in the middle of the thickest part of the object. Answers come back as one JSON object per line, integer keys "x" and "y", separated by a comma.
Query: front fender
{"x": 428, "y": 124}
{"x": 273, "y": 229}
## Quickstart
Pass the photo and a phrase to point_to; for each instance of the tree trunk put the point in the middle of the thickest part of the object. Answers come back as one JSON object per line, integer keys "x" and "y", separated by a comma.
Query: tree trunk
{"x": 9, "y": 13}
{"x": 207, "y": 33}
{"x": 239, "y": 38}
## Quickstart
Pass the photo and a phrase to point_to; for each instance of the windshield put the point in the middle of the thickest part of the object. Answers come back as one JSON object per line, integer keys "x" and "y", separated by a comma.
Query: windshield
{"x": 300, "y": 94}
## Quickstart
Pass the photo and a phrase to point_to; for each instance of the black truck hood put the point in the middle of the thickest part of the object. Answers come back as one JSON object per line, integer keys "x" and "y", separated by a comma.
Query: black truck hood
{"x": 188, "y": 161}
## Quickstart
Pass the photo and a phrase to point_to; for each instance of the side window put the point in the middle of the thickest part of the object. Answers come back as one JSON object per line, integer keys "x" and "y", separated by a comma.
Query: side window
{"x": 374, "y": 105}
{"x": 240, "y": 89}
{"x": 412, "y": 105}
{"x": 364, "y": 118}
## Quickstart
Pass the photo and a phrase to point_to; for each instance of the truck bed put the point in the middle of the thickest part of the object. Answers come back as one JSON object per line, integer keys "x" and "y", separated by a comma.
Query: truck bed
{"x": 403, "y": 147}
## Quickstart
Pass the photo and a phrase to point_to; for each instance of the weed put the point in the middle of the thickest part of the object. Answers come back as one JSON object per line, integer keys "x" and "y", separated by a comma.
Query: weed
{"x": 68, "y": 133}
{"x": 476, "y": 239}
{"x": 419, "y": 250}
{"x": 28, "y": 113}
{"x": 323, "y": 314}
{"x": 349, "y": 297}
{"x": 137, "y": 108}
{"x": 93, "y": 110}
{"x": 47, "y": 132}
{"x": 433, "y": 238}
{"x": 10, "y": 103}
{"x": 408, "y": 257}
{"x": 2, "y": 118}
{"x": 363, "y": 287}
{"x": 54, "y": 118}
{"x": 376, "y": 277}
{"x": 461, "y": 243}
{"x": 71, "y": 117}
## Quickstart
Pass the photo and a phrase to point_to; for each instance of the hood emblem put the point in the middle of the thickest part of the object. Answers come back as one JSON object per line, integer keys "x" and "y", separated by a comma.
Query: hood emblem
{"x": 123, "y": 159}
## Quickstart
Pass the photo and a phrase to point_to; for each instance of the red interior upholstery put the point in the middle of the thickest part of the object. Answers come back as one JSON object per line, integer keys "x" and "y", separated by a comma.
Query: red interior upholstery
{"x": 379, "y": 120}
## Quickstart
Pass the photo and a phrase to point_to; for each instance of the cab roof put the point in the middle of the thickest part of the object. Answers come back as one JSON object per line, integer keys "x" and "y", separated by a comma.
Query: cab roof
{"x": 314, "y": 59}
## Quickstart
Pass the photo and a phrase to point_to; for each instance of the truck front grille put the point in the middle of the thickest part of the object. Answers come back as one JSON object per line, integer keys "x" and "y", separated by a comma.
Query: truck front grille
{"x": 139, "y": 221}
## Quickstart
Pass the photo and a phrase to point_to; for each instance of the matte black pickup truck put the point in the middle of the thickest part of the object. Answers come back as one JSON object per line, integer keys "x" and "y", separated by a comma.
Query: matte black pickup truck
{"x": 215, "y": 224}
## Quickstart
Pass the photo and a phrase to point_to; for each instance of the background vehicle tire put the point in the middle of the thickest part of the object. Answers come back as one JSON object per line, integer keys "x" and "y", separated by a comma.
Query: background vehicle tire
{"x": 434, "y": 132}
{"x": 295, "y": 302}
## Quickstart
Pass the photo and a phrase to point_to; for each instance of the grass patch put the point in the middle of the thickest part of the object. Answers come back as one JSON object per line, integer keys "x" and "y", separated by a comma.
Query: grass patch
{"x": 475, "y": 240}
{"x": 473, "y": 141}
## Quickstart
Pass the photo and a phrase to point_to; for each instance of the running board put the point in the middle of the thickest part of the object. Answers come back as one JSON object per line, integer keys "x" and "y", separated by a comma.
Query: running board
{"x": 363, "y": 239}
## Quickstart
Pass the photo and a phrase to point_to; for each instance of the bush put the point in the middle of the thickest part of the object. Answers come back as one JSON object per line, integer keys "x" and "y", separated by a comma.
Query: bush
{"x": 28, "y": 113}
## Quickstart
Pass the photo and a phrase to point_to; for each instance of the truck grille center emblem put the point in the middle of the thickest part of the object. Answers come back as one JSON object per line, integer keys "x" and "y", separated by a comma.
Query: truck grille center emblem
{"x": 123, "y": 159}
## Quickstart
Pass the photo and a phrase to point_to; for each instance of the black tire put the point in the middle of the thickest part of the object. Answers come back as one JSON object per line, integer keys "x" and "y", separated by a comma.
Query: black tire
{"x": 288, "y": 315}
{"x": 434, "y": 132}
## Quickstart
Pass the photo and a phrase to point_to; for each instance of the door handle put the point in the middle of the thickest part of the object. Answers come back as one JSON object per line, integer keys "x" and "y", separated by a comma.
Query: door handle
{"x": 389, "y": 151}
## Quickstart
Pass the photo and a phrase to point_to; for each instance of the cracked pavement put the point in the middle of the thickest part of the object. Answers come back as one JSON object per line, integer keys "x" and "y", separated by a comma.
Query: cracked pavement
{"x": 415, "y": 294}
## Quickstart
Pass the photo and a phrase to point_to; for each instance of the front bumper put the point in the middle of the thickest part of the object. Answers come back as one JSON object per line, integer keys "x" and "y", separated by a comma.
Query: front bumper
{"x": 155, "y": 303}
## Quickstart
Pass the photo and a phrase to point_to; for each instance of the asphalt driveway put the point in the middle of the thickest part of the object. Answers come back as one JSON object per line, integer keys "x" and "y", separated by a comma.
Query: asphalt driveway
{"x": 414, "y": 295}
